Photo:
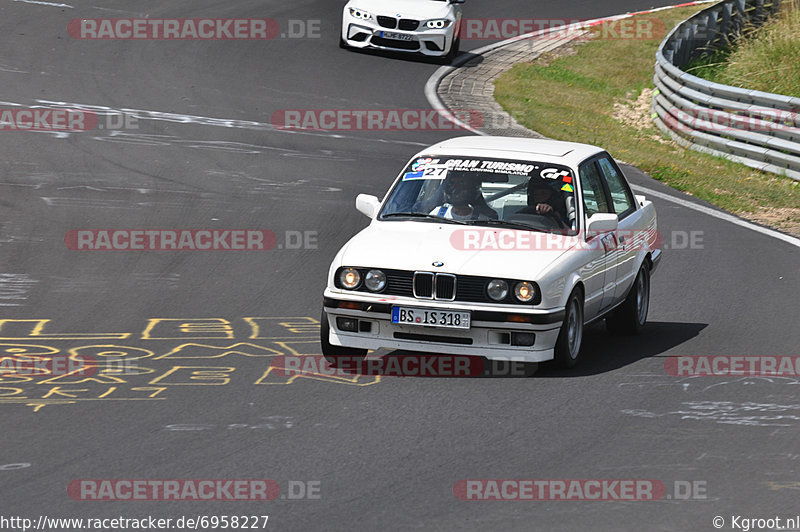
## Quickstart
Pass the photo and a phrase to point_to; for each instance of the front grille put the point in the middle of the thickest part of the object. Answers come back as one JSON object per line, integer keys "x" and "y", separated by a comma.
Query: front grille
{"x": 439, "y": 286}
{"x": 388, "y": 22}
{"x": 445, "y": 286}
{"x": 423, "y": 285}
{"x": 398, "y": 283}
{"x": 394, "y": 43}
{"x": 408, "y": 25}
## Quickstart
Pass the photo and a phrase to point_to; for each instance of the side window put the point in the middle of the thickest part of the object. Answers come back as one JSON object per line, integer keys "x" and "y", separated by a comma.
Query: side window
{"x": 621, "y": 196}
{"x": 594, "y": 197}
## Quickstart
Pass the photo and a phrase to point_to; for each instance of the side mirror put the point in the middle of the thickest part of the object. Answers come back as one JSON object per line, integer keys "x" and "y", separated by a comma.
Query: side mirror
{"x": 367, "y": 205}
{"x": 601, "y": 222}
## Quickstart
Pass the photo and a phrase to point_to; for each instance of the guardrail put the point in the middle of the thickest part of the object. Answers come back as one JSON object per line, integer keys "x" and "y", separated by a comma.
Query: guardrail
{"x": 759, "y": 129}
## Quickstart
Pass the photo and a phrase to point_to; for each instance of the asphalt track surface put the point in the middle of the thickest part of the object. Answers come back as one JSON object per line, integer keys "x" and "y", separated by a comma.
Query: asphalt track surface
{"x": 385, "y": 451}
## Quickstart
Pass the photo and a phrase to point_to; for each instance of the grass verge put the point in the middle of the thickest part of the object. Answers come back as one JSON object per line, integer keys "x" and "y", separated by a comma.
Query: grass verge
{"x": 600, "y": 94}
{"x": 767, "y": 59}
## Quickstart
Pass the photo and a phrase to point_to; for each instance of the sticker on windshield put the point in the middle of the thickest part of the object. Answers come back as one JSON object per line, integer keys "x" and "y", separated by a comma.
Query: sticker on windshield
{"x": 430, "y": 172}
{"x": 553, "y": 173}
{"x": 489, "y": 167}
{"x": 414, "y": 175}
{"x": 567, "y": 188}
{"x": 567, "y": 179}
{"x": 421, "y": 162}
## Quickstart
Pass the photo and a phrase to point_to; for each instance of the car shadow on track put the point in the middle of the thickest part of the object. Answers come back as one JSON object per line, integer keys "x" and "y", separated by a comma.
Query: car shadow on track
{"x": 601, "y": 352}
{"x": 469, "y": 57}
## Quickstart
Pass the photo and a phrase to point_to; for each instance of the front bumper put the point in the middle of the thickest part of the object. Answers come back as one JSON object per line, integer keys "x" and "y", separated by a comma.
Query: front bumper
{"x": 492, "y": 333}
{"x": 358, "y": 33}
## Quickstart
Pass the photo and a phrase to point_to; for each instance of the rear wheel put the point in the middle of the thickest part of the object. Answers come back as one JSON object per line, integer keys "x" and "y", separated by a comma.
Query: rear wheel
{"x": 630, "y": 317}
{"x": 335, "y": 354}
{"x": 568, "y": 345}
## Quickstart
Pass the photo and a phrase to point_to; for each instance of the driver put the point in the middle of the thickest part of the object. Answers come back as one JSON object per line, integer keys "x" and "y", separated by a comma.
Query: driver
{"x": 544, "y": 201}
{"x": 463, "y": 199}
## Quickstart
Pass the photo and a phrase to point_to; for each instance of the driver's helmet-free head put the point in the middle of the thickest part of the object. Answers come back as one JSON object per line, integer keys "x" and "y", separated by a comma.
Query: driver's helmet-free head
{"x": 460, "y": 188}
{"x": 539, "y": 191}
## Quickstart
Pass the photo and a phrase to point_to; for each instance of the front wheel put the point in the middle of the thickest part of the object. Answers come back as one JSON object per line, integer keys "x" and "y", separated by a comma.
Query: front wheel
{"x": 335, "y": 354}
{"x": 454, "y": 48}
{"x": 568, "y": 345}
{"x": 631, "y": 316}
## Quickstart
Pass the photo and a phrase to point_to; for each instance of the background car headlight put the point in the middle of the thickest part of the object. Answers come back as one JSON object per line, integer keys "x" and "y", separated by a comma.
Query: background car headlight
{"x": 497, "y": 289}
{"x": 437, "y": 24}
{"x": 358, "y": 13}
{"x": 375, "y": 280}
{"x": 524, "y": 291}
{"x": 350, "y": 278}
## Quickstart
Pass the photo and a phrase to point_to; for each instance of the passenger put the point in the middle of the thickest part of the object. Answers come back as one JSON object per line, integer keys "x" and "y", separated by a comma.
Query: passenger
{"x": 544, "y": 201}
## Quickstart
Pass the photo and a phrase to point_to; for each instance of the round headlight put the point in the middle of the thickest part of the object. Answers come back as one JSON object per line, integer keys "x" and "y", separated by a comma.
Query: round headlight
{"x": 363, "y": 15}
{"x": 497, "y": 289}
{"x": 375, "y": 280}
{"x": 350, "y": 278}
{"x": 524, "y": 291}
{"x": 437, "y": 24}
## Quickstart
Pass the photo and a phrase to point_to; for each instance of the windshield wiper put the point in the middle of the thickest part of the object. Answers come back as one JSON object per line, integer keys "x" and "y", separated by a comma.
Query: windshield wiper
{"x": 423, "y": 215}
{"x": 507, "y": 223}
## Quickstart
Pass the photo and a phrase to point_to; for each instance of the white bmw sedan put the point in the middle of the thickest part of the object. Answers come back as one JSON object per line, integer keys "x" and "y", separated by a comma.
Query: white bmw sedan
{"x": 497, "y": 247}
{"x": 428, "y": 27}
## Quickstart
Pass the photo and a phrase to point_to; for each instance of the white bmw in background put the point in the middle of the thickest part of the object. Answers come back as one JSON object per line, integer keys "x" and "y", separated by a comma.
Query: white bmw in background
{"x": 497, "y": 247}
{"x": 428, "y": 27}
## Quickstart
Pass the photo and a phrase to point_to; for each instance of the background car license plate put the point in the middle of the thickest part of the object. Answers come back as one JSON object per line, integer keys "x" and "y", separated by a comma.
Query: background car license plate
{"x": 396, "y": 36}
{"x": 450, "y": 319}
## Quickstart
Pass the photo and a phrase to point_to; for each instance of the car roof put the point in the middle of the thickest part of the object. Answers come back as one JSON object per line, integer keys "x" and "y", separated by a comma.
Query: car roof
{"x": 544, "y": 150}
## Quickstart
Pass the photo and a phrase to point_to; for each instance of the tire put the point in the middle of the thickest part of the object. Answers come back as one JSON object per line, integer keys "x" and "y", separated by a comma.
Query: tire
{"x": 568, "y": 345}
{"x": 631, "y": 317}
{"x": 334, "y": 353}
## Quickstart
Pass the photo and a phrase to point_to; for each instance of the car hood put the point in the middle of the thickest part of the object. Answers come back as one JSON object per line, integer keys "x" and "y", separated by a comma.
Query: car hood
{"x": 413, "y": 9}
{"x": 412, "y": 245}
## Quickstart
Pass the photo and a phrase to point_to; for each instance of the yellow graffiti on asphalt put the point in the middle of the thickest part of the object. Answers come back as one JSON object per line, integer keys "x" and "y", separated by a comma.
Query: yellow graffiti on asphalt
{"x": 213, "y": 352}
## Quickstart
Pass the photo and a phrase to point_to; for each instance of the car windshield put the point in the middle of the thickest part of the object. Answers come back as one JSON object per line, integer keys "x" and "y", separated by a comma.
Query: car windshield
{"x": 485, "y": 191}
